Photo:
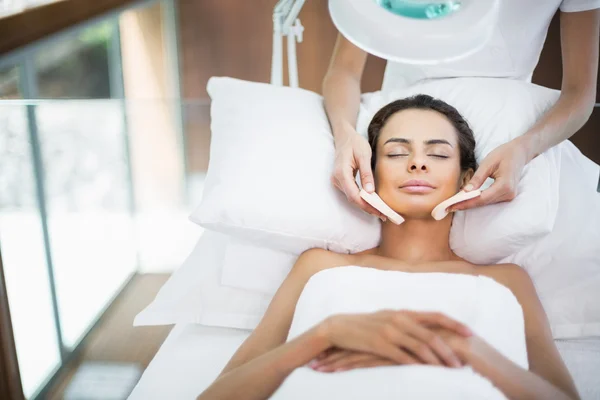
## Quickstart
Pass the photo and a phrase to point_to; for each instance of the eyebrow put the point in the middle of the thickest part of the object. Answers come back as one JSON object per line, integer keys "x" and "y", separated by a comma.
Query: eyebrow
{"x": 427, "y": 142}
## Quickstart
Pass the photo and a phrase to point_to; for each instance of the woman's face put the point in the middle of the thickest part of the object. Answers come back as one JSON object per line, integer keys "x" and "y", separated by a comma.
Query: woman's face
{"x": 418, "y": 162}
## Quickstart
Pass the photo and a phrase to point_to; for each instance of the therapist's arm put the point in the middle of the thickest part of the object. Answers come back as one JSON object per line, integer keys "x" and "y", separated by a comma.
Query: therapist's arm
{"x": 341, "y": 88}
{"x": 580, "y": 33}
{"x": 341, "y": 93}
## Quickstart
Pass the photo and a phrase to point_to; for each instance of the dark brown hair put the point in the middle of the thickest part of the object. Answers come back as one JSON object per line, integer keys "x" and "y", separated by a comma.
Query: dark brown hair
{"x": 466, "y": 140}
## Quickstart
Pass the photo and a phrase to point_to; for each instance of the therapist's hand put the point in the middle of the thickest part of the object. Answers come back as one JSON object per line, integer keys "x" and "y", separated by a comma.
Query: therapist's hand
{"x": 351, "y": 155}
{"x": 505, "y": 165}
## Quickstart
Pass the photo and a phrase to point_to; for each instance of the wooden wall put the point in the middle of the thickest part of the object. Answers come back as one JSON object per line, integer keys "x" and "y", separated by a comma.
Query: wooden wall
{"x": 150, "y": 122}
{"x": 233, "y": 38}
{"x": 38, "y": 21}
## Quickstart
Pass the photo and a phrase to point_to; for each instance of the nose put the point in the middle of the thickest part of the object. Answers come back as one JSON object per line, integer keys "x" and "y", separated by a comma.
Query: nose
{"x": 417, "y": 163}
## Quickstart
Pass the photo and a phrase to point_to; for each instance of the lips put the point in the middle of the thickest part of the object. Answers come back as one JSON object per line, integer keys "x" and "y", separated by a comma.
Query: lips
{"x": 417, "y": 186}
{"x": 417, "y": 182}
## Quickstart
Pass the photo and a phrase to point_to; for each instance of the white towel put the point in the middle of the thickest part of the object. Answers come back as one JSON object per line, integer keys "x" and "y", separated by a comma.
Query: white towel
{"x": 487, "y": 307}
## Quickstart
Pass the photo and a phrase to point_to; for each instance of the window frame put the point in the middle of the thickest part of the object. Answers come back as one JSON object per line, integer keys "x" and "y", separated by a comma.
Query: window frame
{"x": 21, "y": 54}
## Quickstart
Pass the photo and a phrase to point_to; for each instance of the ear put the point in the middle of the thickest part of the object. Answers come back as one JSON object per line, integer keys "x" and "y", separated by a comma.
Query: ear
{"x": 465, "y": 177}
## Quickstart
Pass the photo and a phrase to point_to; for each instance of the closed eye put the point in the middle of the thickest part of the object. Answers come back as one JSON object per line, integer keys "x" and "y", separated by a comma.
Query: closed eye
{"x": 438, "y": 156}
{"x": 397, "y": 155}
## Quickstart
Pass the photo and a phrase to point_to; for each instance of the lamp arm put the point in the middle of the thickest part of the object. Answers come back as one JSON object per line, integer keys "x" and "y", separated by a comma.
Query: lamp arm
{"x": 286, "y": 23}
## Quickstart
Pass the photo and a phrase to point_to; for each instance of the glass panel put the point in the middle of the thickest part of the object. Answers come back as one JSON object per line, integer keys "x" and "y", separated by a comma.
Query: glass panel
{"x": 9, "y": 83}
{"x": 89, "y": 215}
{"x": 86, "y": 146}
{"x": 77, "y": 66}
{"x": 94, "y": 241}
{"x": 84, "y": 152}
{"x": 22, "y": 244}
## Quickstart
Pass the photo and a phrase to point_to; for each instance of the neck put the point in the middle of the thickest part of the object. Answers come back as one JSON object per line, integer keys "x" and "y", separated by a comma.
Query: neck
{"x": 417, "y": 241}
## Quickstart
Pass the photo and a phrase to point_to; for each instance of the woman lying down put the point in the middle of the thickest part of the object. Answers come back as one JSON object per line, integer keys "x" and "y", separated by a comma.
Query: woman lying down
{"x": 408, "y": 319}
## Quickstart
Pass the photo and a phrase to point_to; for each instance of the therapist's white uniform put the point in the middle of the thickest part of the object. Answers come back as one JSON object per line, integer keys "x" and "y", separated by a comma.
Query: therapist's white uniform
{"x": 513, "y": 51}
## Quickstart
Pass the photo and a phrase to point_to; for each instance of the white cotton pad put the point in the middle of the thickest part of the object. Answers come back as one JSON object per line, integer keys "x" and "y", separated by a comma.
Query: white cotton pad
{"x": 374, "y": 200}
{"x": 440, "y": 212}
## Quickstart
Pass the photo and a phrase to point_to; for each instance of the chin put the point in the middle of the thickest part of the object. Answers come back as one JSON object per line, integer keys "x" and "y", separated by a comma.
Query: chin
{"x": 415, "y": 212}
{"x": 417, "y": 209}
{"x": 415, "y": 206}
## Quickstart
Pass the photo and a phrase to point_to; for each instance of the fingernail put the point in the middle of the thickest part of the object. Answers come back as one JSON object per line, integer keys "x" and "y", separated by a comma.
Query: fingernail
{"x": 468, "y": 188}
{"x": 322, "y": 369}
{"x": 456, "y": 363}
{"x": 313, "y": 364}
{"x": 369, "y": 187}
{"x": 383, "y": 219}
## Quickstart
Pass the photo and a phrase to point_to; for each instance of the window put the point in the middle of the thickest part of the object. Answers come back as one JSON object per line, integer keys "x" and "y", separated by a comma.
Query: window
{"x": 85, "y": 165}
{"x": 81, "y": 177}
{"x": 77, "y": 66}
{"x": 9, "y": 83}
{"x": 22, "y": 241}
{"x": 69, "y": 238}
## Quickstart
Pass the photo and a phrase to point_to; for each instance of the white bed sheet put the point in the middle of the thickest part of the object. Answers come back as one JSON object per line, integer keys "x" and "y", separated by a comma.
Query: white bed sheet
{"x": 188, "y": 362}
{"x": 193, "y": 355}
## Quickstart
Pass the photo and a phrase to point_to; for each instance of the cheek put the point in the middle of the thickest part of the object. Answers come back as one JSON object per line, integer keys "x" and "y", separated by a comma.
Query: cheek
{"x": 385, "y": 173}
{"x": 452, "y": 178}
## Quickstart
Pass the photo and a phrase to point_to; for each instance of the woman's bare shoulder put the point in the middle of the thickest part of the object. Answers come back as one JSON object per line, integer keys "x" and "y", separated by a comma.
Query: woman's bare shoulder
{"x": 512, "y": 276}
{"x": 314, "y": 260}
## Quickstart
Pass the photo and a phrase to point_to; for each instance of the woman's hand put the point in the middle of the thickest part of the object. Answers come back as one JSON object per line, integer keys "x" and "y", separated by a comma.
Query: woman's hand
{"x": 505, "y": 165}
{"x": 337, "y": 360}
{"x": 470, "y": 350}
{"x": 400, "y": 337}
{"x": 352, "y": 155}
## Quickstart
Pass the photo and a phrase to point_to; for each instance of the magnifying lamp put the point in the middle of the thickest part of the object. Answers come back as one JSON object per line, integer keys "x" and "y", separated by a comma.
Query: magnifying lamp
{"x": 416, "y": 31}
{"x": 423, "y": 32}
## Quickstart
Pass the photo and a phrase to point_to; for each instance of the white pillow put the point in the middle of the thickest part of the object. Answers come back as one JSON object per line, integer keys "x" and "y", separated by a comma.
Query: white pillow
{"x": 268, "y": 179}
{"x": 272, "y": 156}
{"x": 565, "y": 265}
{"x": 498, "y": 110}
{"x": 252, "y": 267}
{"x": 195, "y": 295}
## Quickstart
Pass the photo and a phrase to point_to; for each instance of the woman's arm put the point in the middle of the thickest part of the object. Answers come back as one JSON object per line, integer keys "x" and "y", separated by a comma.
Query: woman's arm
{"x": 579, "y": 42}
{"x": 514, "y": 381}
{"x": 274, "y": 327}
{"x": 259, "y": 378}
{"x": 261, "y": 363}
{"x": 401, "y": 337}
{"x": 547, "y": 377}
